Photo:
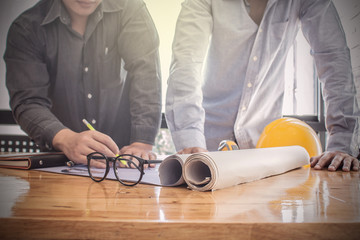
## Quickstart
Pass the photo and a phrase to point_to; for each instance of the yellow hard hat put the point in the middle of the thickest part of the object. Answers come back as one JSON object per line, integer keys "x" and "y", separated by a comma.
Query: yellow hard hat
{"x": 289, "y": 132}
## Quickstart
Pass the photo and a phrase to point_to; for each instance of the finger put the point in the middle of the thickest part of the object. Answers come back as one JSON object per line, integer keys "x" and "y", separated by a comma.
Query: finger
{"x": 131, "y": 160}
{"x": 347, "y": 163}
{"x": 149, "y": 156}
{"x": 323, "y": 161}
{"x": 185, "y": 151}
{"x": 314, "y": 160}
{"x": 84, "y": 152}
{"x": 122, "y": 163}
{"x": 124, "y": 150}
{"x": 336, "y": 162}
{"x": 145, "y": 156}
{"x": 96, "y": 146}
{"x": 108, "y": 144}
{"x": 98, "y": 164}
{"x": 96, "y": 161}
{"x": 127, "y": 150}
{"x": 356, "y": 164}
{"x": 79, "y": 158}
{"x": 180, "y": 152}
{"x": 80, "y": 155}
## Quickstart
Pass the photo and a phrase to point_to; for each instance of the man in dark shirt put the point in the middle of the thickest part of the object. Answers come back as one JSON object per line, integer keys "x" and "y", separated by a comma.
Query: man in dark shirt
{"x": 69, "y": 60}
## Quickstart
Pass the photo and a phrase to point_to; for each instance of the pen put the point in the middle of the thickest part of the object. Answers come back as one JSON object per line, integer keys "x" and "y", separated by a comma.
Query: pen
{"x": 92, "y": 128}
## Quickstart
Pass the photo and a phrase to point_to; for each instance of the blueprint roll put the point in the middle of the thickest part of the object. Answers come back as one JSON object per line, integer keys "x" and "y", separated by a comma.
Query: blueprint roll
{"x": 170, "y": 170}
{"x": 222, "y": 169}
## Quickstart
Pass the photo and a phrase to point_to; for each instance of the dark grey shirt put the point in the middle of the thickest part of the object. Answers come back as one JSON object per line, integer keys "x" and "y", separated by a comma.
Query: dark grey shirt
{"x": 110, "y": 76}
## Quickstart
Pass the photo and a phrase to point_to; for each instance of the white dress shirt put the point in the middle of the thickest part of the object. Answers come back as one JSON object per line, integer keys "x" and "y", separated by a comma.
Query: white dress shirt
{"x": 227, "y": 74}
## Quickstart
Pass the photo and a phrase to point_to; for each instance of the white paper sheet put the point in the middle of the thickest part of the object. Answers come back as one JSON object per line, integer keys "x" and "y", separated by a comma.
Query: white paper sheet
{"x": 151, "y": 175}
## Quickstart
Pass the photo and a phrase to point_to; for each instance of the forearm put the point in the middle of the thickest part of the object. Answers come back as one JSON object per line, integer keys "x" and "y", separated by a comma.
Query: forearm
{"x": 184, "y": 112}
{"x": 39, "y": 123}
{"x": 140, "y": 52}
{"x": 323, "y": 29}
{"x": 341, "y": 107}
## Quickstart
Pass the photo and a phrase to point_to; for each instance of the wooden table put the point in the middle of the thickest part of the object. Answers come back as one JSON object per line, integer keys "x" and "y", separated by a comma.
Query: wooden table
{"x": 301, "y": 204}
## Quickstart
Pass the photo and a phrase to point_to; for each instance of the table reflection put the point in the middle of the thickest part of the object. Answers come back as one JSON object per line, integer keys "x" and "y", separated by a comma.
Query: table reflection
{"x": 302, "y": 195}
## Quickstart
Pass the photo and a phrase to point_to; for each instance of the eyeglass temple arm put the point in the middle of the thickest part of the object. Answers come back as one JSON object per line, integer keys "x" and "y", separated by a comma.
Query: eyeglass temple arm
{"x": 152, "y": 161}
{"x": 145, "y": 161}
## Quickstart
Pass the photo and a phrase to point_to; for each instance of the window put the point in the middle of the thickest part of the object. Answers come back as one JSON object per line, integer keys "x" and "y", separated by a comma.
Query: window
{"x": 301, "y": 90}
{"x": 302, "y": 98}
{"x": 164, "y": 14}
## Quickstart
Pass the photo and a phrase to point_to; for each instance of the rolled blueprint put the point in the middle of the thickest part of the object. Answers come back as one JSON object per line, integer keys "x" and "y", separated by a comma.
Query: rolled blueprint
{"x": 217, "y": 170}
{"x": 170, "y": 170}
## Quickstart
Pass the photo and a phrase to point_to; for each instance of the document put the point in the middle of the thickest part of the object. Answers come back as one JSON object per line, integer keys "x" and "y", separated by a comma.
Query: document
{"x": 210, "y": 171}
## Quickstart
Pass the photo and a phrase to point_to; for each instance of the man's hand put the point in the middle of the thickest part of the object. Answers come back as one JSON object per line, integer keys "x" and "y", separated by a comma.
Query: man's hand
{"x": 76, "y": 146}
{"x": 141, "y": 150}
{"x": 192, "y": 150}
{"x": 334, "y": 160}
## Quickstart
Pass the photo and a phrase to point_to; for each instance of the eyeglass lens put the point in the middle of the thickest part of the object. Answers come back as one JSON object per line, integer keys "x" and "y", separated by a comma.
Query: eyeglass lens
{"x": 97, "y": 166}
{"x": 128, "y": 170}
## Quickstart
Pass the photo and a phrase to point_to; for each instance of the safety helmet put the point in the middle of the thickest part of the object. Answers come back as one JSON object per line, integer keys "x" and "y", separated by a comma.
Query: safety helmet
{"x": 288, "y": 132}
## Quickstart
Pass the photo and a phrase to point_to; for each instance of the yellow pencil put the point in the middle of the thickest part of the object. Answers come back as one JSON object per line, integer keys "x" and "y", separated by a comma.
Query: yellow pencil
{"x": 92, "y": 128}
{"x": 88, "y": 124}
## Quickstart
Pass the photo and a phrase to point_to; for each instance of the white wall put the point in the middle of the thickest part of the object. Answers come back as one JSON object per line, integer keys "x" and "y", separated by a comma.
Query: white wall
{"x": 9, "y": 10}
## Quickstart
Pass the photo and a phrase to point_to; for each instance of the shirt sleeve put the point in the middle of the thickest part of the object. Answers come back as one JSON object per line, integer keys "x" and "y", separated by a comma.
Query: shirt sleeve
{"x": 184, "y": 112}
{"x": 139, "y": 46}
{"x": 27, "y": 81}
{"x": 322, "y": 28}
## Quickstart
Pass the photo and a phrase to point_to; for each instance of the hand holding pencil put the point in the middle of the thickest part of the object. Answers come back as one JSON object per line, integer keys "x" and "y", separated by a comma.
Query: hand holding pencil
{"x": 138, "y": 149}
{"x": 77, "y": 146}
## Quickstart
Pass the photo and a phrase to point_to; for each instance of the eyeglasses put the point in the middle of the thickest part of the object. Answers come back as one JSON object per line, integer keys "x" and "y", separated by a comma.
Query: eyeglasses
{"x": 128, "y": 169}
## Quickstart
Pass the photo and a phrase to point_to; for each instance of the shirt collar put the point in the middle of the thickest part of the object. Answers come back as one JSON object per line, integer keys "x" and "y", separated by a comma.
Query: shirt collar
{"x": 269, "y": 1}
{"x": 57, "y": 10}
{"x": 112, "y": 5}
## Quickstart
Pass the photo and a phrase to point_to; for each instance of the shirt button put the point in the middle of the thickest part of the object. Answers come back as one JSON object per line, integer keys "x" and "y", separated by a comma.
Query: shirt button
{"x": 93, "y": 121}
{"x": 86, "y": 69}
{"x": 89, "y": 96}
{"x": 243, "y": 108}
{"x": 249, "y": 85}
{"x": 255, "y": 58}
{"x": 260, "y": 30}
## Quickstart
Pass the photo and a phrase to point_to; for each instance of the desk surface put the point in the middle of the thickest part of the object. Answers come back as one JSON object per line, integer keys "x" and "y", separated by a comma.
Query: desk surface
{"x": 301, "y": 204}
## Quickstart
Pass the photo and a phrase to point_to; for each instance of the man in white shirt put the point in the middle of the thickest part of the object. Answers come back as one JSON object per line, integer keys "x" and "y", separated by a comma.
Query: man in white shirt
{"x": 242, "y": 46}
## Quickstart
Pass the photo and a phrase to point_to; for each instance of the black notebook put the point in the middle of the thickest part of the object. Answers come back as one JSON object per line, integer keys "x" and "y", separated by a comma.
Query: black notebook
{"x": 33, "y": 160}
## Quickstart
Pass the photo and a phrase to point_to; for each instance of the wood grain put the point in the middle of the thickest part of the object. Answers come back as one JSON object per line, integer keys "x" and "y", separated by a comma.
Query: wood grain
{"x": 301, "y": 204}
